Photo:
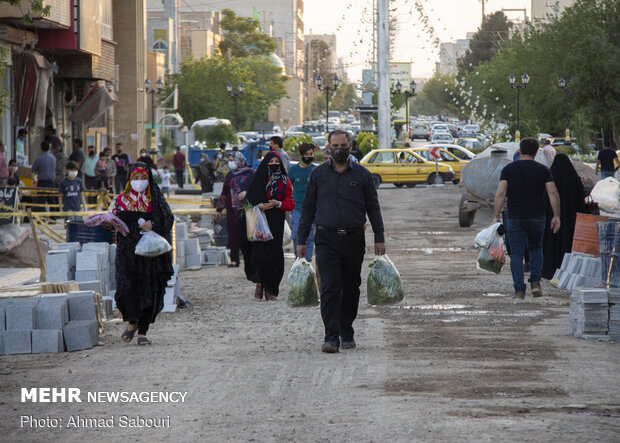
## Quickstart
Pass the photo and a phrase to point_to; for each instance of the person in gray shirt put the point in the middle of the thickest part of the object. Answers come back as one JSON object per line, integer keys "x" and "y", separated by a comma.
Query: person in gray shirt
{"x": 275, "y": 144}
{"x": 45, "y": 168}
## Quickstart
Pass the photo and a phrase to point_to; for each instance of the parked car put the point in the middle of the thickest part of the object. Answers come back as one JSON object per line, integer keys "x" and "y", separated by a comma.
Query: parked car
{"x": 470, "y": 130}
{"x": 293, "y": 130}
{"x": 453, "y": 129}
{"x": 456, "y": 150}
{"x": 446, "y": 157}
{"x": 441, "y": 137}
{"x": 470, "y": 143}
{"x": 404, "y": 167}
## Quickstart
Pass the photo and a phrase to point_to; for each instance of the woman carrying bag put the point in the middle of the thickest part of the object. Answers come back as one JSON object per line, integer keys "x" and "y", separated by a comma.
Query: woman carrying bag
{"x": 141, "y": 281}
{"x": 272, "y": 192}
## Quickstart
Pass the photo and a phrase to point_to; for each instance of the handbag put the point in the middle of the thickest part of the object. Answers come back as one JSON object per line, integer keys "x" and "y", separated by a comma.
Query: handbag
{"x": 592, "y": 206}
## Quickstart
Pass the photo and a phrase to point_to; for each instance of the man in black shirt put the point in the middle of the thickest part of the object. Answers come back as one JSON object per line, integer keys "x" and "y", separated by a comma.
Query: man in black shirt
{"x": 122, "y": 160}
{"x": 77, "y": 156}
{"x": 339, "y": 195}
{"x": 607, "y": 162}
{"x": 525, "y": 182}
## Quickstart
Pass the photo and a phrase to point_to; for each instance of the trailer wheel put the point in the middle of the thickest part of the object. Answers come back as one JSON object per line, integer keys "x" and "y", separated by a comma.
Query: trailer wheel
{"x": 466, "y": 219}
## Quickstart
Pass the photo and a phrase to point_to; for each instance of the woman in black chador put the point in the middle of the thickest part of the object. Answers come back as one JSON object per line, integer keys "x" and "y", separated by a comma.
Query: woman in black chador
{"x": 141, "y": 281}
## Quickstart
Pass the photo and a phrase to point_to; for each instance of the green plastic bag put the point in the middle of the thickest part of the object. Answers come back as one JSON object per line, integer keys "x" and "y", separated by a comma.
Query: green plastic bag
{"x": 302, "y": 289}
{"x": 384, "y": 285}
{"x": 486, "y": 263}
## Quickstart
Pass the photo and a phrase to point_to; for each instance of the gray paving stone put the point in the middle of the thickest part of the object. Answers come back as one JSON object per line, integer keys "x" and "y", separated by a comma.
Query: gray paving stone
{"x": 90, "y": 260}
{"x": 192, "y": 261}
{"x": 52, "y": 313}
{"x": 17, "y": 342}
{"x": 2, "y": 318}
{"x": 192, "y": 246}
{"x": 82, "y": 334}
{"x": 89, "y": 275}
{"x": 82, "y": 305}
{"x": 1, "y": 342}
{"x": 20, "y": 315}
{"x": 47, "y": 341}
{"x": 92, "y": 285}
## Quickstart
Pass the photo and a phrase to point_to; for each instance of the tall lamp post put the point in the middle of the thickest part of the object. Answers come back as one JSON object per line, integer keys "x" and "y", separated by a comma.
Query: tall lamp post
{"x": 235, "y": 96}
{"x": 566, "y": 90}
{"x": 408, "y": 95}
{"x": 327, "y": 89}
{"x": 525, "y": 79}
{"x": 158, "y": 85}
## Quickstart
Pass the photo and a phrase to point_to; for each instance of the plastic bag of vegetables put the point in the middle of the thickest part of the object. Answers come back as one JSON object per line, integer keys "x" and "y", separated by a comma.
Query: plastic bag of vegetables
{"x": 384, "y": 285}
{"x": 302, "y": 289}
{"x": 487, "y": 263}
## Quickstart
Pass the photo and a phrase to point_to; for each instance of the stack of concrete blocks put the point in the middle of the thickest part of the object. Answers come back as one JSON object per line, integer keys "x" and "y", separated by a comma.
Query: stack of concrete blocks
{"x": 60, "y": 262}
{"x": 173, "y": 291}
{"x": 108, "y": 303}
{"x": 216, "y": 256}
{"x": 92, "y": 265}
{"x": 191, "y": 248}
{"x": 180, "y": 237}
{"x": 206, "y": 220}
{"x": 579, "y": 270}
{"x": 589, "y": 313}
{"x": 614, "y": 314}
{"x": 50, "y": 323}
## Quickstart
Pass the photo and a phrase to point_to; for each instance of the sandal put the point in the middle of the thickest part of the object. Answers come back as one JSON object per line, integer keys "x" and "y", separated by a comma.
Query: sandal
{"x": 143, "y": 341}
{"x": 127, "y": 336}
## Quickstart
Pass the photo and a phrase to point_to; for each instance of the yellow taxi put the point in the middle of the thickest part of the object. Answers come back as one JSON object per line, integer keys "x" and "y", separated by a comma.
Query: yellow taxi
{"x": 404, "y": 167}
{"x": 446, "y": 157}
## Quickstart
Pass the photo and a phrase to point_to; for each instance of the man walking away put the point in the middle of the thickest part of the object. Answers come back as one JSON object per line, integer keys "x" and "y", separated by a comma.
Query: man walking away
{"x": 299, "y": 175}
{"x": 525, "y": 182}
{"x": 549, "y": 152}
{"x": 276, "y": 144}
{"x": 122, "y": 160}
{"x": 178, "y": 161}
{"x": 45, "y": 168}
{"x": 607, "y": 162}
{"x": 339, "y": 195}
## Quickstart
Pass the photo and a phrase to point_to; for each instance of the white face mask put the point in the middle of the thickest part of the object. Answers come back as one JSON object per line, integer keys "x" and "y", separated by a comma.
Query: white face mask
{"x": 143, "y": 154}
{"x": 139, "y": 185}
{"x": 72, "y": 174}
{"x": 14, "y": 169}
{"x": 232, "y": 165}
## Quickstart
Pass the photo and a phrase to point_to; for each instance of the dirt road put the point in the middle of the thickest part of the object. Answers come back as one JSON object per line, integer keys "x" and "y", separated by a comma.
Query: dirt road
{"x": 457, "y": 360}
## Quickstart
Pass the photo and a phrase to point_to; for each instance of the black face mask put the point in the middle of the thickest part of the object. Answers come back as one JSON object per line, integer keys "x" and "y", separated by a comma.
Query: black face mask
{"x": 274, "y": 168}
{"x": 307, "y": 160}
{"x": 91, "y": 153}
{"x": 340, "y": 155}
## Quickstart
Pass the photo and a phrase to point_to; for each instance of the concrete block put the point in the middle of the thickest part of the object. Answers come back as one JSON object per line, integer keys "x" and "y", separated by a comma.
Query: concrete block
{"x": 52, "y": 313}
{"x": 47, "y": 340}
{"x": 58, "y": 265}
{"x": 112, "y": 253}
{"x": 90, "y": 275}
{"x": 170, "y": 296}
{"x": 181, "y": 231}
{"x": 192, "y": 246}
{"x": 1, "y": 342}
{"x": 91, "y": 285}
{"x": 90, "y": 261}
{"x": 17, "y": 342}
{"x": 82, "y": 305}
{"x": 20, "y": 315}
{"x": 107, "y": 306}
{"x": 565, "y": 261}
{"x": 2, "y": 318}
{"x": 192, "y": 261}
{"x": 83, "y": 334}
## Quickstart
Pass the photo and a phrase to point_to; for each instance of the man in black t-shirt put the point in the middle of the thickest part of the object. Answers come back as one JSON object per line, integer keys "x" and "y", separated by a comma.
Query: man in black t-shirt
{"x": 607, "y": 162}
{"x": 122, "y": 161}
{"x": 77, "y": 156}
{"x": 525, "y": 183}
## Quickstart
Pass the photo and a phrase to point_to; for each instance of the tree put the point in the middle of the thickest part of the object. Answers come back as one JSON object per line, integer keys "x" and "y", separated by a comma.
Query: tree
{"x": 242, "y": 38}
{"x": 485, "y": 43}
{"x": 202, "y": 88}
{"x": 366, "y": 142}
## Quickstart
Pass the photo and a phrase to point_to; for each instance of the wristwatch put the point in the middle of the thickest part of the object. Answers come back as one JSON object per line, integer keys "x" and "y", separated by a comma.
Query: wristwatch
{"x": 279, "y": 204}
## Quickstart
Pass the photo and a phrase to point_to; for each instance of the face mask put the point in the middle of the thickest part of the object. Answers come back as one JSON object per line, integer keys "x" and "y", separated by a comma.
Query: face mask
{"x": 72, "y": 174}
{"x": 219, "y": 155}
{"x": 307, "y": 160}
{"x": 139, "y": 185}
{"x": 340, "y": 155}
{"x": 91, "y": 153}
{"x": 143, "y": 154}
{"x": 13, "y": 169}
{"x": 232, "y": 165}
{"x": 274, "y": 168}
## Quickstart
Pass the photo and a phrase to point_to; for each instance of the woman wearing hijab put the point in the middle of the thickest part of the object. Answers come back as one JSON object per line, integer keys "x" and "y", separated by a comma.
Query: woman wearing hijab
{"x": 141, "y": 281}
{"x": 272, "y": 191}
{"x": 233, "y": 192}
{"x": 572, "y": 200}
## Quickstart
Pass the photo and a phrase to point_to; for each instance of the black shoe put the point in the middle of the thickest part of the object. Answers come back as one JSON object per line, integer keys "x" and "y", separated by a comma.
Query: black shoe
{"x": 348, "y": 344}
{"x": 329, "y": 347}
{"x": 233, "y": 265}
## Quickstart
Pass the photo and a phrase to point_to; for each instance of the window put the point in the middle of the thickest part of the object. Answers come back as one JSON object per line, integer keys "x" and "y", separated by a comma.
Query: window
{"x": 383, "y": 158}
{"x": 406, "y": 157}
{"x": 160, "y": 46}
{"x": 106, "y": 19}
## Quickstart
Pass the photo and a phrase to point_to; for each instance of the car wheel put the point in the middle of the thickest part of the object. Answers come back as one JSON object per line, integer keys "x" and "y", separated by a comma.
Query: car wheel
{"x": 435, "y": 179}
{"x": 466, "y": 219}
{"x": 411, "y": 185}
{"x": 456, "y": 181}
{"x": 399, "y": 185}
{"x": 376, "y": 180}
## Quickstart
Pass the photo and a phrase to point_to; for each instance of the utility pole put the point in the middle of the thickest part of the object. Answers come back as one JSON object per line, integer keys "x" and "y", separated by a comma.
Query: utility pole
{"x": 383, "y": 64}
{"x": 483, "y": 1}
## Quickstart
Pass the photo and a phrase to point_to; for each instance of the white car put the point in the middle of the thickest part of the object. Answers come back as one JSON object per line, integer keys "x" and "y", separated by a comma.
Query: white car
{"x": 471, "y": 129}
{"x": 441, "y": 137}
{"x": 293, "y": 130}
{"x": 456, "y": 150}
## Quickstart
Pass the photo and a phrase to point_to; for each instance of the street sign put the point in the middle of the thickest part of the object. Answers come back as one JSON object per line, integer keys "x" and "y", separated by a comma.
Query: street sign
{"x": 434, "y": 152}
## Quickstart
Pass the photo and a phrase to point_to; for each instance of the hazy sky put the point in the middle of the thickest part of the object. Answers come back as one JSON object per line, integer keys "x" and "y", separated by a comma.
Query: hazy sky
{"x": 351, "y": 20}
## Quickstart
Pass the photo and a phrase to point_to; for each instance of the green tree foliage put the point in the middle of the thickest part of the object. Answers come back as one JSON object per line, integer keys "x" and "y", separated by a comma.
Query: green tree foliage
{"x": 366, "y": 142}
{"x": 291, "y": 144}
{"x": 219, "y": 134}
{"x": 202, "y": 88}
{"x": 485, "y": 43}
{"x": 242, "y": 37}
{"x": 343, "y": 99}
{"x": 437, "y": 97}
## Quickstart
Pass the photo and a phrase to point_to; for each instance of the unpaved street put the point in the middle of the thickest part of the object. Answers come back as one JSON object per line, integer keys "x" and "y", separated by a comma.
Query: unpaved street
{"x": 458, "y": 360}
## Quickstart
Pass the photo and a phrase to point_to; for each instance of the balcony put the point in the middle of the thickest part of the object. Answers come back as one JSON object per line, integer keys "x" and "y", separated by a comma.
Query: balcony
{"x": 59, "y": 17}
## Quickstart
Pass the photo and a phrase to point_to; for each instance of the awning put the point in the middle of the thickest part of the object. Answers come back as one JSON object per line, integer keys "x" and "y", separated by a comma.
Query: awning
{"x": 98, "y": 100}
{"x": 33, "y": 78}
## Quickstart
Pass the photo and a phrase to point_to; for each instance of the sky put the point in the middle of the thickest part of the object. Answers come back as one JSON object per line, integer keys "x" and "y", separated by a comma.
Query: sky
{"x": 351, "y": 21}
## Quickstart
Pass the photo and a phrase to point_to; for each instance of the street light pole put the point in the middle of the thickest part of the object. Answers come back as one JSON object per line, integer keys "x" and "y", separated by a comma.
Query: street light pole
{"x": 321, "y": 87}
{"x": 565, "y": 90}
{"x": 525, "y": 79}
{"x": 235, "y": 96}
{"x": 407, "y": 94}
{"x": 158, "y": 85}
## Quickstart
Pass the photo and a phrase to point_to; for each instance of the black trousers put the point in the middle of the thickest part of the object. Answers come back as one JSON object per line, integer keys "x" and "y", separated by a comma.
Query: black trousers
{"x": 144, "y": 321}
{"x": 339, "y": 259}
{"x": 179, "y": 174}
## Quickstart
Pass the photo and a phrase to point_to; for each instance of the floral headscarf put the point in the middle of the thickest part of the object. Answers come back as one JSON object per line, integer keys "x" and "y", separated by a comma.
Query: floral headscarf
{"x": 130, "y": 200}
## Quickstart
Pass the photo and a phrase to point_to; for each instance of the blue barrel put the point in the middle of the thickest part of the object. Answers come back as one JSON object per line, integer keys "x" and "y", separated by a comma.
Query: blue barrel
{"x": 79, "y": 232}
{"x": 606, "y": 238}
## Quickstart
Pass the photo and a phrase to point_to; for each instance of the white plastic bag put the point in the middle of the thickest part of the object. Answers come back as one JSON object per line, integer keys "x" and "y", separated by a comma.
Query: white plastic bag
{"x": 302, "y": 289}
{"x": 607, "y": 194}
{"x": 257, "y": 226}
{"x": 152, "y": 245}
{"x": 487, "y": 235}
{"x": 286, "y": 238}
{"x": 384, "y": 285}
